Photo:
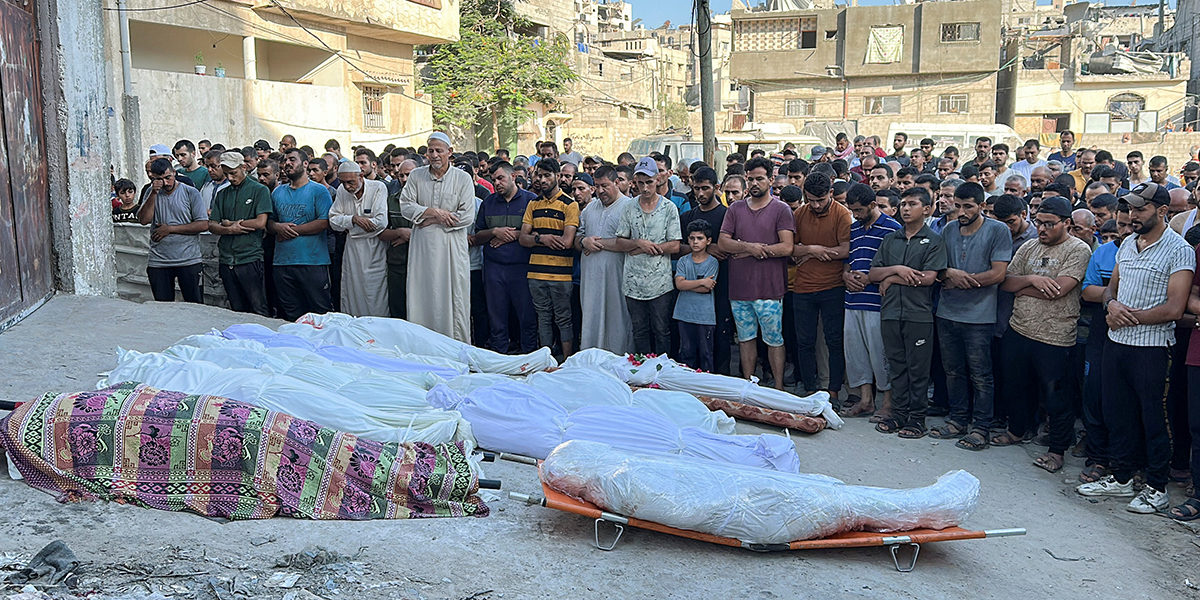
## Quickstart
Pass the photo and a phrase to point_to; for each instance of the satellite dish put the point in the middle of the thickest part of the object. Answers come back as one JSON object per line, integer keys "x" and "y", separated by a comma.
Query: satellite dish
{"x": 1076, "y": 12}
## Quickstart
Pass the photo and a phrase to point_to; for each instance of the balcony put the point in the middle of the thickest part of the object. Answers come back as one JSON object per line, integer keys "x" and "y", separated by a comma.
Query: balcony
{"x": 402, "y": 21}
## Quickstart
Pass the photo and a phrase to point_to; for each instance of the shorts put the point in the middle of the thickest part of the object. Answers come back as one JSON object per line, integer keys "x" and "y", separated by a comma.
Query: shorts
{"x": 751, "y": 316}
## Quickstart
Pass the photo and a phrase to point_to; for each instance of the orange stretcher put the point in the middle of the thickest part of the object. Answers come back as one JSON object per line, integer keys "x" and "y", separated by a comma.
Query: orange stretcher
{"x": 855, "y": 539}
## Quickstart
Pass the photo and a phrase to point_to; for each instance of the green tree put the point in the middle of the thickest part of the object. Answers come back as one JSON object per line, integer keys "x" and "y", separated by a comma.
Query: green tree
{"x": 495, "y": 70}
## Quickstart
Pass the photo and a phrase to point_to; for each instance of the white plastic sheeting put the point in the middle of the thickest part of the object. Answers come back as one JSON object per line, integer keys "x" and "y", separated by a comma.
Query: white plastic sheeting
{"x": 392, "y": 362}
{"x": 517, "y": 418}
{"x": 397, "y": 335}
{"x": 372, "y": 404}
{"x": 755, "y": 506}
{"x": 670, "y": 375}
{"x": 576, "y": 387}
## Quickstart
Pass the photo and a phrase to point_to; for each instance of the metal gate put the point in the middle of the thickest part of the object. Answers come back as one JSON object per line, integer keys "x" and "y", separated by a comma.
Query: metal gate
{"x": 25, "y": 270}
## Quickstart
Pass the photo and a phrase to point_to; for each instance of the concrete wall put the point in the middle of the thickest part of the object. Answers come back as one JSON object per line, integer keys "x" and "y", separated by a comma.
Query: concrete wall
{"x": 239, "y": 111}
{"x": 959, "y": 57}
{"x": 77, "y": 145}
{"x": 924, "y": 52}
{"x": 1179, "y": 148}
{"x": 405, "y": 21}
{"x": 175, "y": 104}
{"x": 918, "y": 101}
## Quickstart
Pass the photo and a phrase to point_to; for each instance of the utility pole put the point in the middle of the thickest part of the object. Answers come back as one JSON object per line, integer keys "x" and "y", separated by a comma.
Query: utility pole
{"x": 708, "y": 123}
{"x": 1158, "y": 30}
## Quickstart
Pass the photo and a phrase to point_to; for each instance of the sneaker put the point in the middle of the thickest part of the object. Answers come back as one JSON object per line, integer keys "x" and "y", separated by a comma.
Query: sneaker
{"x": 1149, "y": 502}
{"x": 1106, "y": 487}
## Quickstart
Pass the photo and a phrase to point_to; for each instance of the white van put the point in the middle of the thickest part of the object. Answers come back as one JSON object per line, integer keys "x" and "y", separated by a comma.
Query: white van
{"x": 961, "y": 136}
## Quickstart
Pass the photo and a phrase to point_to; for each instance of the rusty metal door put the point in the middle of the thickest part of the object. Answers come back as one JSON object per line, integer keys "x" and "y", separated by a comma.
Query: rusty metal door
{"x": 25, "y": 275}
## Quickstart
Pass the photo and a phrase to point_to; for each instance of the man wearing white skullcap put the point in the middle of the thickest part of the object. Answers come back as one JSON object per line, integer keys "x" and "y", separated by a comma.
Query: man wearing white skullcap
{"x": 440, "y": 201}
{"x": 360, "y": 209}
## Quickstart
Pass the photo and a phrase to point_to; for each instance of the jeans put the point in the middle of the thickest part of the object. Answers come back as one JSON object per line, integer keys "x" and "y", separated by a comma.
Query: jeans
{"x": 302, "y": 289}
{"x": 162, "y": 283}
{"x": 1194, "y": 424}
{"x": 397, "y": 283}
{"x": 1037, "y": 373}
{"x": 244, "y": 286}
{"x": 1177, "y": 400}
{"x": 552, "y": 302}
{"x": 967, "y": 359}
{"x": 1134, "y": 402}
{"x": 1093, "y": 406}
{"x": 650, "y": 320}
{"x": 830, "y": 307}
{"x": 507, "y": 288}
{"x": 696, "y": 345}
{"x": 909, "y": 349}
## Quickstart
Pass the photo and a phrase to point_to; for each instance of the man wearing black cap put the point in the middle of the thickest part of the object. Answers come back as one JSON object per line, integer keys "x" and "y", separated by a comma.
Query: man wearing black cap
{"x": 262, "y": 148}
{"x": 1156, "y": 267}
{"x": 1045, "y": 280}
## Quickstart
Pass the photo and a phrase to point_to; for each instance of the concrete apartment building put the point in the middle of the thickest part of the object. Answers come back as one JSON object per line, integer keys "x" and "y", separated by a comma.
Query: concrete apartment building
{"x": 626, "y": 78}
{"x": 931, "y": 62}
{"x": 317, "y": 69}
{"x": 685, "y": 38}
{"x": 1075, "y": 71}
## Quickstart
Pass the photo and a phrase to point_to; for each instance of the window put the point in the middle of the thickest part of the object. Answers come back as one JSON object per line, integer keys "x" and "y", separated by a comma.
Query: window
{"x": 800, "y": 107}
{"x": 952, "y": 104}
{"x": 831, "y": 35}
{"x": 885, "y": 45}
{"x": 624, "y": 112}
{"x": 808, "y": 32}
{"x": 881, "y": 105}
{"x": 373, "y": 108}
{"x": 627, "y": 76}
{"x": 960, "y": 32}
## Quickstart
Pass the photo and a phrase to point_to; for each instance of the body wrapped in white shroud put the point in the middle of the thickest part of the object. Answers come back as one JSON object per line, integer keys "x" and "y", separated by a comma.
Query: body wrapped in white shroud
{"x": 755, "y": 506}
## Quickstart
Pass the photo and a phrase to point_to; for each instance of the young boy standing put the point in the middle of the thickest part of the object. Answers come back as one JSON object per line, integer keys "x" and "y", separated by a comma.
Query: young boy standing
{"x": 696, "y": 278}
{"x": 907, "y": 264}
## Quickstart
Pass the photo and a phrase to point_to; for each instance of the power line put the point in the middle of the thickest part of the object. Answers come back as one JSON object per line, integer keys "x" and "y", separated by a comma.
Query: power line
{"x": 118, "y": 9}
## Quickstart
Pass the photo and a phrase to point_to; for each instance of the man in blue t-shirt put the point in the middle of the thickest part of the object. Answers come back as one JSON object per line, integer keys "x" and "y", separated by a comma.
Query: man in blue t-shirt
{"x": 866, "y": 363}
{"x": 299, "y": 221}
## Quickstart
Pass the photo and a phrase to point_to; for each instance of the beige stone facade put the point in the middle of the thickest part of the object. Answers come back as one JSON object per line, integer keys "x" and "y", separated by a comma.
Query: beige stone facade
{"x": 931, "y": 62}
{"x": 341, "y": 70}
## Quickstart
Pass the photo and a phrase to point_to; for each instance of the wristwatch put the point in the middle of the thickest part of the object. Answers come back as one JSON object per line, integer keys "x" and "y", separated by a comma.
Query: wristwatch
{"x": 537, "y": 238}
{"x": 1106, "y": 302}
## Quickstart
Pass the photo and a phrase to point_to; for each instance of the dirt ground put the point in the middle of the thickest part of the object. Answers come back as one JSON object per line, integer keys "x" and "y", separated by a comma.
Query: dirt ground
{"x": 1075, "y": 548}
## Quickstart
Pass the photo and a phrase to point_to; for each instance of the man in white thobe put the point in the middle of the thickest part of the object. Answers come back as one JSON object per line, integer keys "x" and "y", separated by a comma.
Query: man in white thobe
{"x": 440, "y": 201}
{"x": 360, "y": 209}
{"x": 606, "y": 321}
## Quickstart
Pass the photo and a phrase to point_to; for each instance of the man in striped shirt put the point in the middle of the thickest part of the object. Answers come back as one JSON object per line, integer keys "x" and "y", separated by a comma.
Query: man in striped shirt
{"x": 1147, "y": 293}
{"x": 866, "y": 363}
{"x": 549, "y": 229}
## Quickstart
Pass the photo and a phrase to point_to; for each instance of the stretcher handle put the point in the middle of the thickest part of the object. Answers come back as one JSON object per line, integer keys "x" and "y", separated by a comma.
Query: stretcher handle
{"x": 489, "y": 484}
{"x": 6, "y": 405}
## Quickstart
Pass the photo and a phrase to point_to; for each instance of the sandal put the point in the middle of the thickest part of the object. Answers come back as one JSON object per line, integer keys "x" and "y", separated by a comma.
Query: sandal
{"x": 912, "y": 431}
{"x": 975, "y": 441}
{"x": 887, "y": 425}
{"x": 949, "y": 431}
{"x": 849, "y": 402}
{"x": 1093, "y": 474}
{"x": 1007, "y": 439}
{"x": 1188, "y": 511}
{"x": 1052, "y": 463}
{"x": 857, "y": 410}
{"x": 879, "y": 416}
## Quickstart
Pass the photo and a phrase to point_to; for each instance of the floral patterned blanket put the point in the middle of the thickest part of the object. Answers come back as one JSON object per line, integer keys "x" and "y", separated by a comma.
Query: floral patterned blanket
{"x": 221, "y": 458}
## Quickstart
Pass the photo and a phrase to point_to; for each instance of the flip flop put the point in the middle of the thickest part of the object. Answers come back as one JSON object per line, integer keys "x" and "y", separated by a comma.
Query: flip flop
{"x": 1049, "y": 463}
{"x": 851, "y": 413}
{"x": 1188, "y": 511}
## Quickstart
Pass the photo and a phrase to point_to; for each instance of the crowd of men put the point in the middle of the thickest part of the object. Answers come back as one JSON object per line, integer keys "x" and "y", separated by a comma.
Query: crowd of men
{"x": 1004, "y": 291}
